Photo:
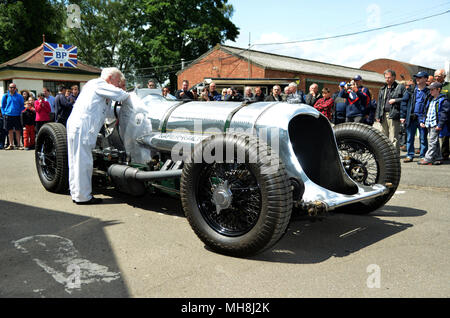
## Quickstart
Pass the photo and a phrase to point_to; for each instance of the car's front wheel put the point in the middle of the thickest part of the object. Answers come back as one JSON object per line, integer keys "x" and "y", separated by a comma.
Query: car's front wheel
{"x": 236, "y": 206}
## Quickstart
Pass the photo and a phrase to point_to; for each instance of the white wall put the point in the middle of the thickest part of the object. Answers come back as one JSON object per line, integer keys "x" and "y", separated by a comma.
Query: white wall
{"x": 31, "y": 85}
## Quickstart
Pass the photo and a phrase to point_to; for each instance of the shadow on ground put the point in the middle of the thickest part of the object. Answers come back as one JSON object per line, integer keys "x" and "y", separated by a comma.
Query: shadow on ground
{"x": 337, "y": 235}
{"x": 307, "y": 240}
{"x": 48, "y": 253}
{"x": 158, "y": 202}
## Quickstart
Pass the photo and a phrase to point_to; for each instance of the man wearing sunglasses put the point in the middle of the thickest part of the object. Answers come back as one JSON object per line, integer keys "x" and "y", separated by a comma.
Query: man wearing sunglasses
{"x": 12, "y": 107}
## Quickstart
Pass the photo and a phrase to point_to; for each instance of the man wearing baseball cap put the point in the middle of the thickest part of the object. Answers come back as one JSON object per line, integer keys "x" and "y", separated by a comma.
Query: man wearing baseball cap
{"x": 412, "y": 116}
{"x": 436, "y": 120}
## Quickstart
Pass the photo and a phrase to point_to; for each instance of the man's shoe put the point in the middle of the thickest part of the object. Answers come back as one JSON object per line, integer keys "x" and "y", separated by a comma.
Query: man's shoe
{"x": 437, "y": 163}
{"x": 91, "y": 201}
{"x": 408, "y": 159}
{"x": 10, "y": 147}
{"x": 423, "y": 162}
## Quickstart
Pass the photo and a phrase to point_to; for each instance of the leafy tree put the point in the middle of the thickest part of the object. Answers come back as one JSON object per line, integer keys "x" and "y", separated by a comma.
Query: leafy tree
{"x": 103, "y": 38}
{"x": 144, "y": 38}
{"x": 167, "y": 31}
{"x": 22, "y": 24}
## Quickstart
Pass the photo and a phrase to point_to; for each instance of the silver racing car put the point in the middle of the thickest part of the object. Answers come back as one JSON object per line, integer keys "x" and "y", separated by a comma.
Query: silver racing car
{"x": 240, "y": 168}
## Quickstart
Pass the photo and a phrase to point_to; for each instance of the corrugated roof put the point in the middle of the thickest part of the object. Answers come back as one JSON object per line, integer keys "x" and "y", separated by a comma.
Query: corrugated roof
{"x": 411, "y": 68}
{"x": 34, "y": 59}
{"x": 293, "y": 64}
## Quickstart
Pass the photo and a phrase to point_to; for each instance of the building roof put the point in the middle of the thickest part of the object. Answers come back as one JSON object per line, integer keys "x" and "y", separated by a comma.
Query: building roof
{"x": 34, "y": 60}
{"x": 298, "y": 65}
{"x": 411, "y": 68}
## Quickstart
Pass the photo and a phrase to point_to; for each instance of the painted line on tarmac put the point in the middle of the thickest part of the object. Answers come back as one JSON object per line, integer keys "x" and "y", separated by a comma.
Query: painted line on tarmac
{"x": 58, "y": 257}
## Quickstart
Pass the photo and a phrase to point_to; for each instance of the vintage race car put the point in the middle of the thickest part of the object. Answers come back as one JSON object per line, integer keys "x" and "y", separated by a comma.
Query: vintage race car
{"x": 240, "y": 168}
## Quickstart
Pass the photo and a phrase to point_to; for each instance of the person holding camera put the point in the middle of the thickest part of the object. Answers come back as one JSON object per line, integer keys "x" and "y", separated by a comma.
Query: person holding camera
{"x": 63, "y": 105}
{"x": 355, "y": 110}
{"x": 43, "y": 110}
{"x": 184, "y": 92}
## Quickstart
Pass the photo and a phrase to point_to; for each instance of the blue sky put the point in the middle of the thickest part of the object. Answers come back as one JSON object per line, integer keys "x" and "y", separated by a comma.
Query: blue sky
{"x": 425, "y": 42}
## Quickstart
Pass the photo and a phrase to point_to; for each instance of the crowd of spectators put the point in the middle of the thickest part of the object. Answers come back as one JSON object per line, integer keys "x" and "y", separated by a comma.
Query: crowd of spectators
{"x": 352, "y": 102}
{"x": 399, "y": 111}
{"x": 23, "y": 114}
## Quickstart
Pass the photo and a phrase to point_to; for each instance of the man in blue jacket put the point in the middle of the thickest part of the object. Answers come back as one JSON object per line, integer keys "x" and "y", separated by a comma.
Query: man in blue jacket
{"x": 411, "y": 114}
{"x": 340, "y": 105}
{"x": 12, "y": 107}
{"x": 355, "y": 111}
{"x": 369, "y": 112}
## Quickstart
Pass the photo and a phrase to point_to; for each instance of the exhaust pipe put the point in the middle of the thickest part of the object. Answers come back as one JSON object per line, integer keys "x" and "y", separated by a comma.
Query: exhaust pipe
{"x": 131, "y": 180}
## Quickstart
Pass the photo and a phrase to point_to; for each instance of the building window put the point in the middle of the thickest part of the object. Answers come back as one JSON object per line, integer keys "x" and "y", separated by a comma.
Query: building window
{"x": 53, "y": 85}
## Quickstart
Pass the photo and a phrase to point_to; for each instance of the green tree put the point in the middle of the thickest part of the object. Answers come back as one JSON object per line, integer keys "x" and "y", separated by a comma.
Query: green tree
{"x": 167, "y": 31}
{"x": 22, "y": 24}
{"x": 103, "y": 38}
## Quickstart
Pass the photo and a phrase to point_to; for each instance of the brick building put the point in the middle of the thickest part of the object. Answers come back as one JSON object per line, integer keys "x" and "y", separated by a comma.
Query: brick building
{"x": 404, "y": 71}
{"x": 231, "y": 66}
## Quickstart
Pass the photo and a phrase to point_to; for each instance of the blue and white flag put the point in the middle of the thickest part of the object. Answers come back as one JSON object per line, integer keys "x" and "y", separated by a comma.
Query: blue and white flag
{"x": 62, "y": 55}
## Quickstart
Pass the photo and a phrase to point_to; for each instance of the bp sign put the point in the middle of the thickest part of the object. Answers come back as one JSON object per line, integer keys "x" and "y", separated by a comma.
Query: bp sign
{"x": 61, "y": 55}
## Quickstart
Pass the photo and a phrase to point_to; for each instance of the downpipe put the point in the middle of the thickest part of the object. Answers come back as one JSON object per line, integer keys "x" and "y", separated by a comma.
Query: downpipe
{"x": 131, "y": 180}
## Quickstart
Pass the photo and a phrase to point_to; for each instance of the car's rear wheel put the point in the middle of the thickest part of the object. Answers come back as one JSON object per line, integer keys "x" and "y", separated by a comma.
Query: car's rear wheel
{"x": 51, "y": 157}
{"x": 236, "y": 207}
{"x": 369, "y": 158}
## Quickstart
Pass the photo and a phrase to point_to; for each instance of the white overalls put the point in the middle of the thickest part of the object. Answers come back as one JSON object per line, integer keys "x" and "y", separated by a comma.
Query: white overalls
{"x": 88, "y": 115}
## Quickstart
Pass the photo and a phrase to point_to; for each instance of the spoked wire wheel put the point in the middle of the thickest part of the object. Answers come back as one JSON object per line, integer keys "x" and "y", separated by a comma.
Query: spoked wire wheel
{"x": 47, "y": 158}
{"x": 51, "y": 157}
{"x": 369, "y": 158}
{"x": 359, "y": 161}
{"x": 229, "y": 198}
{"x": 237, "y": 207}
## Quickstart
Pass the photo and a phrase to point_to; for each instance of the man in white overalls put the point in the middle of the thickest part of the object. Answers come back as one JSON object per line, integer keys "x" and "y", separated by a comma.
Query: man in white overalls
{"x": 93, "y": 105}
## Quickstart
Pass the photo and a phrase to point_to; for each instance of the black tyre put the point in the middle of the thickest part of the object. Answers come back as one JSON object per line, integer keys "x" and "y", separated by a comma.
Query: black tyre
{"x": 51, "y": 157}
{"x": 239, "y": 207}
{"x": 369, "y": 158}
